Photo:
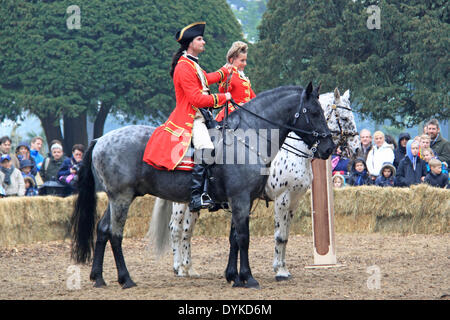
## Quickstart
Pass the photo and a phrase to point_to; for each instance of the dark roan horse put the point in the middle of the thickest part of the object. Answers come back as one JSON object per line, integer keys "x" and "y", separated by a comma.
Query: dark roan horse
{"x": 116, "y": 159}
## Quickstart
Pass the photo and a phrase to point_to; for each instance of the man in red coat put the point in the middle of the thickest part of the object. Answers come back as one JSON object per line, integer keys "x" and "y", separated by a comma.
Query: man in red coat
{"x": 170, "y": 141}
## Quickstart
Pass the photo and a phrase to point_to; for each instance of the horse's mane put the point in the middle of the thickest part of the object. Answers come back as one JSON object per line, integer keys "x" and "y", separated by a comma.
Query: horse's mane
{"x": 275, "y": 92}
{"x": 264, "y": 98}
{"x": 270, "y": 92}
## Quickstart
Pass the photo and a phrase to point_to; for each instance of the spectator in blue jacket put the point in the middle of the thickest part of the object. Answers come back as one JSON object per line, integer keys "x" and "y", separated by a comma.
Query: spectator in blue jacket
{"x": 35, "y": 148}
{"x": 30, "y": 187}
{"x": 411, "y": 169}
{"x": 359, "y": 174}
{"x": 387, "y": 175}
{"x": 26, "y": 166}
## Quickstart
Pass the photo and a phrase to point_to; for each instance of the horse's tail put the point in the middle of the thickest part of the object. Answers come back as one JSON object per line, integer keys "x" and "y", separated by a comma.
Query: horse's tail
{"x": 84, "y": 213}
{"x": 159, "y": 233}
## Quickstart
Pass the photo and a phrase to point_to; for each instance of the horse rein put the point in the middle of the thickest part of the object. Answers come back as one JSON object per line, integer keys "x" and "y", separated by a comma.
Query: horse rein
{"x": 298, "y": 153}
{"x": 285, "y": 126}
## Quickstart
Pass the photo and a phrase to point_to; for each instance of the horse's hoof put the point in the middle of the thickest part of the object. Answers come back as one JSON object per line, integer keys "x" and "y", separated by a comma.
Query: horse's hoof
{"x": 128, "y": 284}
{"x": 283, "y": 278}
{"x": 230, "y": 276}
{"x": 182, "y": 273}
{"x": 99, "y": 283}
{"x": 252, "y": 284}
{"x": 193, "y": 274}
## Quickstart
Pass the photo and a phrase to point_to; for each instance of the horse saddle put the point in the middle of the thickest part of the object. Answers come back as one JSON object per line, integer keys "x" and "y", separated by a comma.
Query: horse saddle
{"x": 187, "y": 163}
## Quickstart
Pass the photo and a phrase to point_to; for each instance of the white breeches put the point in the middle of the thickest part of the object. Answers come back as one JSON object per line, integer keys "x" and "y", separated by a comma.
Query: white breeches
{"x": 200, "y": 134}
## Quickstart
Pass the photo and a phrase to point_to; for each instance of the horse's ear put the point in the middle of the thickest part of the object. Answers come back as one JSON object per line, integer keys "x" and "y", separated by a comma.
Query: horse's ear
{"x": 309, "y": 90}
{"x": 318, "y": 88}
{"x": 337, "y": 94}
{"x": 346, "y": 95}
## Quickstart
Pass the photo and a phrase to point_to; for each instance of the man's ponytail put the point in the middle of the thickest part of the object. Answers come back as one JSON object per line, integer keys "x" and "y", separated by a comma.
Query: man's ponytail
{"x": 175, "y": 59}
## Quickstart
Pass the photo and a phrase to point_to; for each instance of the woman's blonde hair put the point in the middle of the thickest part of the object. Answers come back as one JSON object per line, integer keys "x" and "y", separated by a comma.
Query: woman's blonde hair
{"x": 378, "y": 133}
{"x": 236, "y": 49}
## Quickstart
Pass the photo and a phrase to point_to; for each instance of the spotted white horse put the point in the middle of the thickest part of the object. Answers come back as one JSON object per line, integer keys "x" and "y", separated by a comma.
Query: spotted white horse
{"x": 290, "y": 177}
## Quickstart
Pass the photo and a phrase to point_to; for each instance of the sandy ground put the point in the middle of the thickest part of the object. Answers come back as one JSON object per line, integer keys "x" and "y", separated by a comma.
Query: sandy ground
{"x": 410, "y": 267}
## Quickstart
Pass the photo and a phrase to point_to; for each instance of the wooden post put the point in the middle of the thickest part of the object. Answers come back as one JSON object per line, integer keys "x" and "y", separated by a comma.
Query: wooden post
{"x": 322, "y": 207}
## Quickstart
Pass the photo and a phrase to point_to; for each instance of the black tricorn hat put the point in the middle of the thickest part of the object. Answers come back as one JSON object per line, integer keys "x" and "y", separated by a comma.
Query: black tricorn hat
{"x": 188, "y": 33}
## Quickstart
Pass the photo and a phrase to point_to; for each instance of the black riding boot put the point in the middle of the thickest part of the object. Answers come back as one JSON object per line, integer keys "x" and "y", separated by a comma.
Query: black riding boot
{"x": 199, "y": 197}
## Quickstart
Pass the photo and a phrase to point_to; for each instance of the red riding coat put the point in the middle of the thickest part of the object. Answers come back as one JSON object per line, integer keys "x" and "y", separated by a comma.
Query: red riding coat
{"x": 169, "y": 142}
{"x": 240, "y": 89}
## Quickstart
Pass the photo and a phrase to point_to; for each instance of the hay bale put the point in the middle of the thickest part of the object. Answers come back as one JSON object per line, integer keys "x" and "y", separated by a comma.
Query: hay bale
{"x": 139, "y": 215}
{"x": 419, "y": 209}
{"x": 30, "y": 219}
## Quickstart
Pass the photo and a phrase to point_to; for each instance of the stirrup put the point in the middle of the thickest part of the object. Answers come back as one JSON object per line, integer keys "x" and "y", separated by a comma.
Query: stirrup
{"x": 206, "y": 201}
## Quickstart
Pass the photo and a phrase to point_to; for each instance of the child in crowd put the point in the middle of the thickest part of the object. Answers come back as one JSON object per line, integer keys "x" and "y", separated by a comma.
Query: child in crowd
{"x": 436, "y": 177}
{"x": 411, "y": 169}
{"x": 428, "y": 154}
{"x": 386, "y": 177}
{"x": 339, "y": 162}
{"x": 359, "y": 175}
{"x": 25, "y": 167}
{"x": 338, "y": 181}
{"x": 30, "y": 187}
{"x": 424, "y": 142}
{"x": 11, "y": 178}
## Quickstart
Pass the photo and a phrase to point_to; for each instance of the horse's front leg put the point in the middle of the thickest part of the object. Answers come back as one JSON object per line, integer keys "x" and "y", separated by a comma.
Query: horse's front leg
{"x": 284, "y": 209}
{"x": 176, "y": 229}
{"x": 241, "y": 215}
{"x": 189, "y": 221}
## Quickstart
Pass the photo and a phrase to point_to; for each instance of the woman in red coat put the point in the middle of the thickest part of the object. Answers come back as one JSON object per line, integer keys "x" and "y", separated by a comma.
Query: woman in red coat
{"x": 237, "y": 83}
{"x": 170, "y": 141}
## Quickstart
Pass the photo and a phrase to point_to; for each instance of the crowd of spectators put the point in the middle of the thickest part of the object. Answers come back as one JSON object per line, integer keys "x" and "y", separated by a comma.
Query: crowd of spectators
{"x": 402, "y": 163}
{"x": 26, "y": 172}
{"x": 381, "y": 161}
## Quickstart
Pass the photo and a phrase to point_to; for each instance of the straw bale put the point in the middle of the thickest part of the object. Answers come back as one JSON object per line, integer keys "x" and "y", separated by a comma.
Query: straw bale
{"x": 419, "y": 209}
{"x": 29, "y": 219}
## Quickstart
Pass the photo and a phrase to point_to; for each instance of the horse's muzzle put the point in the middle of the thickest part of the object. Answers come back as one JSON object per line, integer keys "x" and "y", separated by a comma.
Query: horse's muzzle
{"x": 325, "y": 150}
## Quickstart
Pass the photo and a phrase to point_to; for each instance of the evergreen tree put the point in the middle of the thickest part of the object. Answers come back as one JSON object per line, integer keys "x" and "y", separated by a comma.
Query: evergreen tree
{"x": 398, "y": 72}
{"x": 119, "y": 54}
